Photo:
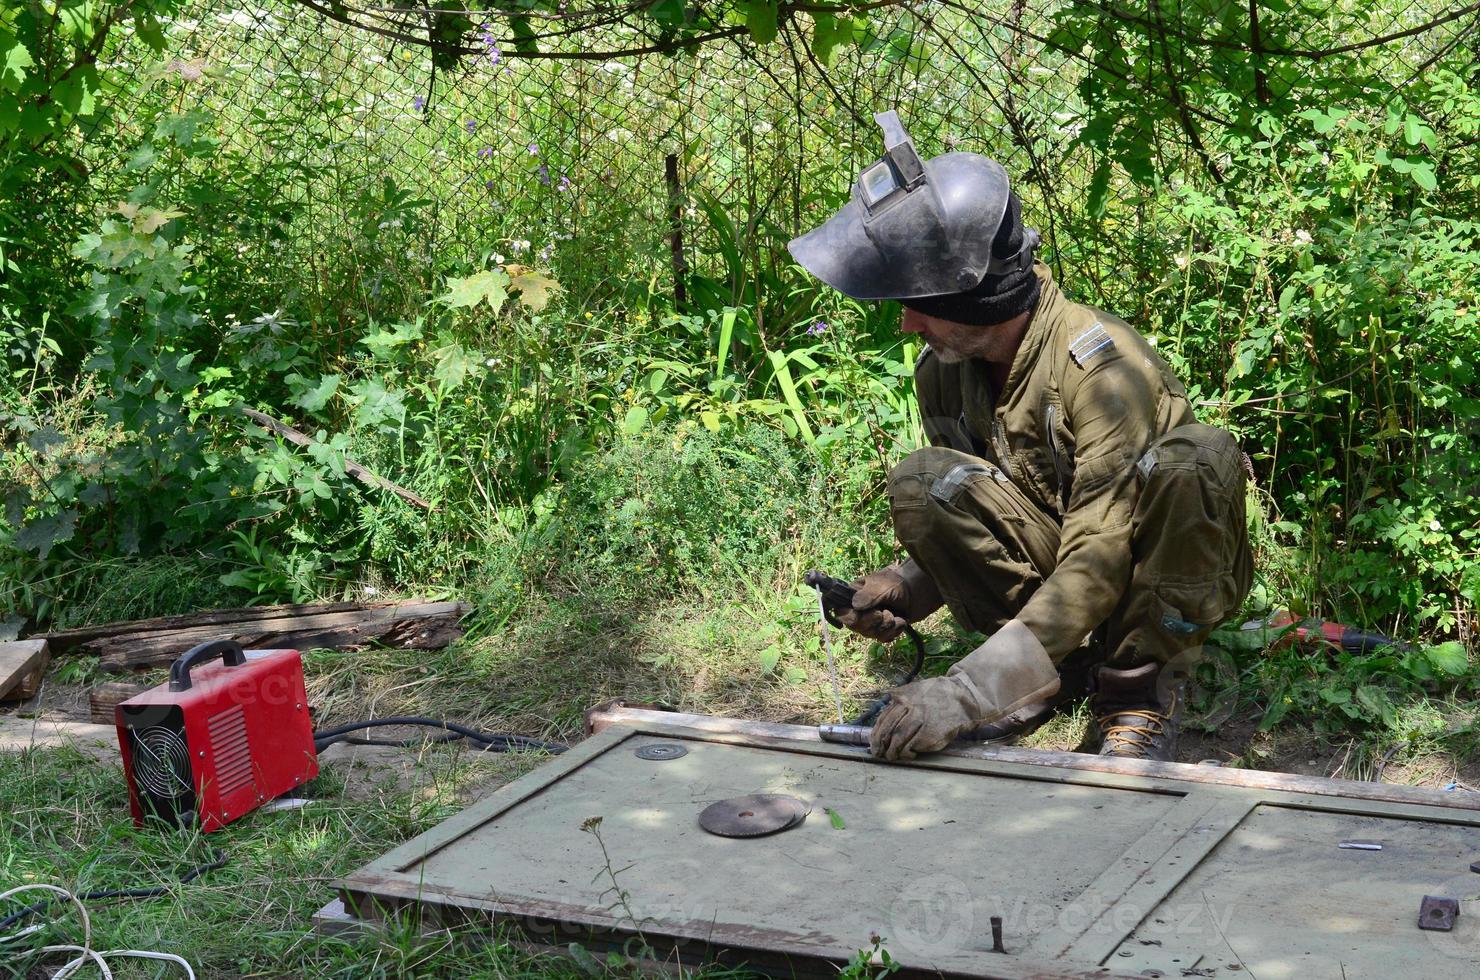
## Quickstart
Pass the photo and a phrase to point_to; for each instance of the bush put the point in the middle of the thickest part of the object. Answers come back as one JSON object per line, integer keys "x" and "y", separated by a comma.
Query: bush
{"x": 678, "y": 508}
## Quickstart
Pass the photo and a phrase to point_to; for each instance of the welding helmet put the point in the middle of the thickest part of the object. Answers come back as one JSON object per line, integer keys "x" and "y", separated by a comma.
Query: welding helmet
{"x": 925, "y": 230}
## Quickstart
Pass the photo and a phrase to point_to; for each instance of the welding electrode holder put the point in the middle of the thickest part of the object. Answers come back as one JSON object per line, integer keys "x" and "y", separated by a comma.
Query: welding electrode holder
{"x": 836, "y": 595}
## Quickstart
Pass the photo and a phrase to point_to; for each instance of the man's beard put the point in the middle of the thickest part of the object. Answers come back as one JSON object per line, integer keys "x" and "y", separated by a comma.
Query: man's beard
{"x": 946, "y": 356}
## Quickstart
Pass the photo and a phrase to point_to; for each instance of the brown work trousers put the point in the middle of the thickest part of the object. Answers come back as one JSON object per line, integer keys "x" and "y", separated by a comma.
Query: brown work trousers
{"x": 988, "y": 547}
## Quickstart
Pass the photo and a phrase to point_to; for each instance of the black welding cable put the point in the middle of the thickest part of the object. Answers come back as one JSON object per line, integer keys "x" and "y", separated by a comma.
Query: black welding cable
{"x": 401, "y": 743}
{"x": 490, "y": 741}
{"x": 218, "y": 860}
{"x": 866, "y": 719}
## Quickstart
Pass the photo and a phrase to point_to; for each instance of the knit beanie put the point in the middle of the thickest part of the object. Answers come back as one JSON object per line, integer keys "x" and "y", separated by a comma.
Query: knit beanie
{"x": 996, "y": 299}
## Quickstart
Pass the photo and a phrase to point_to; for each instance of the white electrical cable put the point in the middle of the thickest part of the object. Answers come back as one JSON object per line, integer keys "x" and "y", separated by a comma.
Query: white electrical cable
{"x": 85, "y": 952}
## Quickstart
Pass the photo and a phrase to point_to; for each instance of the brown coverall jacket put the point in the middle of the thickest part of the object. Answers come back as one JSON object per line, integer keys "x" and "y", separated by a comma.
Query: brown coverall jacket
{"x": 1084, "y": 492}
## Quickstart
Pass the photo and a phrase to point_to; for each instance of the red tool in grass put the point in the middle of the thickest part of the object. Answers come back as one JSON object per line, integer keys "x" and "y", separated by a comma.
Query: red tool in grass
{"x": 1315, "y": 632}
{"x": 229, "y": 732}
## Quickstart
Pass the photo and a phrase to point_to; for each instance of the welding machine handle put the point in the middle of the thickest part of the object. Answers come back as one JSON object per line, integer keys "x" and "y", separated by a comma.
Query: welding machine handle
{"x": 230, "y": 652}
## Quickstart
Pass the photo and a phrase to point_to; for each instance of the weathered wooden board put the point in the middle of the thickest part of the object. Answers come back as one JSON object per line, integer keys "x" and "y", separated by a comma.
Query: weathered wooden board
{"x": 1090, "y": 871}
{"x": 103, "y": 699}
{"x": 22, "y": 664}
{"x": 413, "y": 623}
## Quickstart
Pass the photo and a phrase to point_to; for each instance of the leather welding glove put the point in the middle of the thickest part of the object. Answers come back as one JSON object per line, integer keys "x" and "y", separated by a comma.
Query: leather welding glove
{"x": 889, "y": 599}
{"x": 1008, "y": 671}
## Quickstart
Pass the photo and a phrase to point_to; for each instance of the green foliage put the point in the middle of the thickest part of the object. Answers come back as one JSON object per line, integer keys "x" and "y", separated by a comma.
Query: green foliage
{"x": 871, "y": 963}
{"x": 676, "y": 508}
{"x": 1299, "y": 243}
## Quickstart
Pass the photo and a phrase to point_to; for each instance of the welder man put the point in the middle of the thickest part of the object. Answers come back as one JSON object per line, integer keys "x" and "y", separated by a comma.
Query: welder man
{"x": 1069, "y": 505}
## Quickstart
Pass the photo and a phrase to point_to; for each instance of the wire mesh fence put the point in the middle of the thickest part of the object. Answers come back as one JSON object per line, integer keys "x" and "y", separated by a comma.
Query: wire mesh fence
{"x": 666, "y": 149}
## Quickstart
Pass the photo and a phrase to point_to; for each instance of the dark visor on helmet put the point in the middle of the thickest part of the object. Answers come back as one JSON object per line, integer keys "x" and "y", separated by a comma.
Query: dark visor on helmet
{"x": 899, "y": 170}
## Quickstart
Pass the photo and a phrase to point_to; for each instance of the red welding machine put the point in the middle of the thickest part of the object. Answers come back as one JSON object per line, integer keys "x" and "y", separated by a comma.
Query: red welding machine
{"x": 218, "y": 740}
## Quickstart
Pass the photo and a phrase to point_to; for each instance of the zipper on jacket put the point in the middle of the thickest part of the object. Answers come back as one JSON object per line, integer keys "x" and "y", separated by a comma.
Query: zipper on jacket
{"x": 1053, "y": 450}
{"x": 999, "y": 442}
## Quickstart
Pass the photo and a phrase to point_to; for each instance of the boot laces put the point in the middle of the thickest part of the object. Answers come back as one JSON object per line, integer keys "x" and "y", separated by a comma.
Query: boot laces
{"x": 1135, "y": 738}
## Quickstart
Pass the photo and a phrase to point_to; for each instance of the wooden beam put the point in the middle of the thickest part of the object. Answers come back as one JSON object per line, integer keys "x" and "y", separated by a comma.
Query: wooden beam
{"x": 350, "y": 466}
{"x": 22, "y": 665}
{"x": 102, "y": 699}
{"x": 615, "y": 713}
{"x": 415, "y": 624}
{"x": 63, "y": 641}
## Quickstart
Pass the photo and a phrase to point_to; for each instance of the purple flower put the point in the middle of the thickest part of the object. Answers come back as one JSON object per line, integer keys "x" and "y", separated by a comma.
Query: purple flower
{"x": 544, "y": 173}
{"x": 488, "y": 186}
{"x": 418, "y": 103}
{"x": 817, "y": 329}
{"x": 564, "y": 184}
{"x": 486, "y": 153}
{"x": 470, "y": 125}
{"x": 485, "y": 34}
{"x": 534, "y": 149}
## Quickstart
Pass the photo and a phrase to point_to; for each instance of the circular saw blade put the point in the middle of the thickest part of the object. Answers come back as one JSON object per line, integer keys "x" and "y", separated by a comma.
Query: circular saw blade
{"x": 661, "y": 752}
{"x": 755, "y": 815}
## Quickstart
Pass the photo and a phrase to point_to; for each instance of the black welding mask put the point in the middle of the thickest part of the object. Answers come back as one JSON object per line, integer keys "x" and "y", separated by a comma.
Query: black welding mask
{"x": 943, "y": 235}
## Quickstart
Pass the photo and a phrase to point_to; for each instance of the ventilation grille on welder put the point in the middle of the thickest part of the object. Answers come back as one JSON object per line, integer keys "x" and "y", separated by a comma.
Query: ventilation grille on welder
{"x": 229, "y": 751}
{"x": 162, "y": 762}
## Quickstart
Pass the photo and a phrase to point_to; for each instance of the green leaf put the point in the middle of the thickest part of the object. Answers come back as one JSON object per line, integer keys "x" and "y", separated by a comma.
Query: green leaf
{"x": 490, "y": 286}
{"x": 1423, "y": 175}
{"x": 1099, "y": 187}
{"x": 761, "y": 18}
{"x": 1448, "y": 658}
{"x": 454, "y": 364}
{"x": 770, "y": 657}
{"x": 45, "y": 533}
{"x": 44, "y": 439}
{"x": 1287, "y": 297}
{"x": 583, "y": 959}
{"x": 314, "y": 398}
{"x": 637, "y": 417}
{"x": 829, "y": 31}
{"x": 835, "y": 817}
{"x": 789, "y": 393}
{"x": 669, "y": 13}
{"x": 15, "y": 58}
{"x": 375, "y": 404}
{"x": 1374, "y": 700}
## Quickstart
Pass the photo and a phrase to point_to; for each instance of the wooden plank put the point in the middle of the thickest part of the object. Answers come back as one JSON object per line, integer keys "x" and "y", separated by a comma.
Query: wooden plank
{"x": 413, "y": 624}
{"x": 102, "y": 699}
{"x": 600, "y": 719}
{"x": 63, "y": 641}
{"x": 426, "y": 626}
{"x": 22, "y": 664}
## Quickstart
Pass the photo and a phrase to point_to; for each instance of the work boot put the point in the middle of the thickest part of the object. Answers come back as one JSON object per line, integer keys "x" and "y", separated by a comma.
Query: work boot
{"x": 1074, "y": 677}
{"x": 1137, "y": 715}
